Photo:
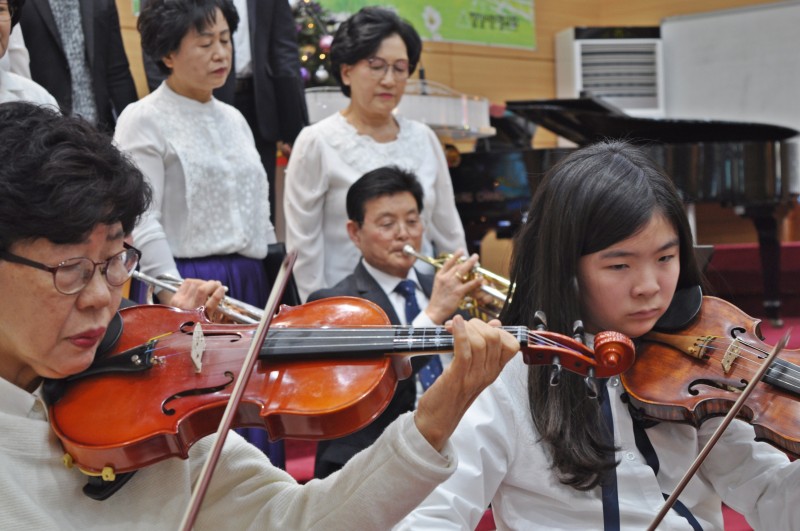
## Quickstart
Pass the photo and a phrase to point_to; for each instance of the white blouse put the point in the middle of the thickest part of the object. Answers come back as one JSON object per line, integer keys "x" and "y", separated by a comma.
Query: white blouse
{"x": 502, "y": 461}
{"x": 327, "y": 158}
{"x": 210, "y": 190}
{"x": 14, "y": 87}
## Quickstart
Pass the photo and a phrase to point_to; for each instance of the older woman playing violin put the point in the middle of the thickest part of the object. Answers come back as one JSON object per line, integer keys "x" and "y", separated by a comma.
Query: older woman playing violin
{"x": 372, "y": 55}
{"x": 68, "y": 200}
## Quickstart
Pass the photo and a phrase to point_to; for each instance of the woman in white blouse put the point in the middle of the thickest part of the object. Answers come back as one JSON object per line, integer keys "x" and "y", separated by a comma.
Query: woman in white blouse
{"x": 210, "y": 213}
{"x": 372, "y": 55}
{"x": 13, "y": 85}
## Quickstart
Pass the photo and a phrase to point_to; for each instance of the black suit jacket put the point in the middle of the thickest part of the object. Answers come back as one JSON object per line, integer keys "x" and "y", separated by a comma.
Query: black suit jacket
{"x": 361, "y": 284}
{"x": 105, "y": 55}
{"x": 279, "y": 91}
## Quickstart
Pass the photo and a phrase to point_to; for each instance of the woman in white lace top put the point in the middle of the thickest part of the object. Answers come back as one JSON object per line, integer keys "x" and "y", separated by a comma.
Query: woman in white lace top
{"x": 210, "y": 213}
{"x": 373, "y": 53}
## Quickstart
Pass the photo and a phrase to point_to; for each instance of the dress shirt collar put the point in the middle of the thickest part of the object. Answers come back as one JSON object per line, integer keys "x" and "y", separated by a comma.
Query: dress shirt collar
{"x": 17, "y": 401}
{"x": 388, "y": 282}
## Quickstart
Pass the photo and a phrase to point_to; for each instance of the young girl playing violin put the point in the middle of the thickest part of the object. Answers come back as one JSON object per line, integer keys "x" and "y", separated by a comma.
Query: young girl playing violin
{"x": 606, "y": 242}
{"x": 68, "y": 199}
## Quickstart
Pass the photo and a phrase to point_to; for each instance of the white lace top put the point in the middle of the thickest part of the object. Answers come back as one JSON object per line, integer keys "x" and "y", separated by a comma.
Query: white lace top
{"x": 210, "y": 191}
{"x": 327, "y": 158}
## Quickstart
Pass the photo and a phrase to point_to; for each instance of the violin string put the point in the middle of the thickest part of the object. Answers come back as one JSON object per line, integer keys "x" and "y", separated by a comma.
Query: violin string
{"x": 357, "y": 336}
{"x": 749, "y": 354}
{"x": 537, "y": 339}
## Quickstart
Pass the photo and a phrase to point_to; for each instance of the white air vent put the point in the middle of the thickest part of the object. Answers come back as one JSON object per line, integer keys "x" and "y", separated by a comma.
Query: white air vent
{"x": 625, "y": 72}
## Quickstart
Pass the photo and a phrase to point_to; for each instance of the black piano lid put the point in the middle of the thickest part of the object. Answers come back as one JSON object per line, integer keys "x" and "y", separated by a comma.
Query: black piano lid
{"x": 588, "y": 120}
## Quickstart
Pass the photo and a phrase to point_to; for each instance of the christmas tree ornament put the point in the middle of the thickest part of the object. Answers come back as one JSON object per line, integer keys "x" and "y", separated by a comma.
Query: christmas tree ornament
{"x": 325, "y": 43}
{"x": 321, "y": 75}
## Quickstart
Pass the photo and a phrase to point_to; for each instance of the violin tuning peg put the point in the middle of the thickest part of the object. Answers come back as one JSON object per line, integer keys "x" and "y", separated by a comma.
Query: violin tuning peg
{"x": 592, "y": 390}
{"x": 578, "y": 332}
{"x": 540, "y": 320}
{"x": 555, "y": 371}
{"x": 592, "y": 387}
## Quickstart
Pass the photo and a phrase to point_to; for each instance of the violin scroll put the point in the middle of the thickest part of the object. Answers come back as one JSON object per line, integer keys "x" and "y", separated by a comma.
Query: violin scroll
{"x": 613, "y": 354}
{"x": 613, "y": 350}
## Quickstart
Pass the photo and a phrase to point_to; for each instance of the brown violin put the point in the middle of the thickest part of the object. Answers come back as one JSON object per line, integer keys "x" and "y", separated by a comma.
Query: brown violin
{"x": 326, "y": 369}
{"x": 699, "y": 371}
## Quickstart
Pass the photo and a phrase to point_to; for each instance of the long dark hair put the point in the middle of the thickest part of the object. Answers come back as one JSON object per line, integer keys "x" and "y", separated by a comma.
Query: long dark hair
{"x": 595, "y": 197}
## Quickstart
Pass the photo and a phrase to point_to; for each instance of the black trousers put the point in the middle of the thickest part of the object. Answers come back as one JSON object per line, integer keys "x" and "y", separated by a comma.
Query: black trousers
{"x": 245, "y": 102}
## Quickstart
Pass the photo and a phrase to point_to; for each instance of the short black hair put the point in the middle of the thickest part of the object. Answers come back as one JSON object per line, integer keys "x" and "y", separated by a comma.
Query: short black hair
{"x": 16, "y": 11}
{"x": 360, "y": 36}
{"x": 163, "y": 24}
{"x": 61, "y": 177}
{"x": 386, "y": 180}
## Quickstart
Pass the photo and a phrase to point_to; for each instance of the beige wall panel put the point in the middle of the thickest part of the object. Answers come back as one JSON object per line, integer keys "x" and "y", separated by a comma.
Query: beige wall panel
{"x": 647, "y": 12}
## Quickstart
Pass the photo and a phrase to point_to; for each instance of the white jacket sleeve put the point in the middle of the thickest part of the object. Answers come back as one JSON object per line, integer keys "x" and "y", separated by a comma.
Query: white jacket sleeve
{"x": 304, "y": 197}
{"x": 373, "y": 491}
{"x": 446, "y": 232}
{"x": 139, "y": 138}
{"x": 752, "y": 477}
{"x": 484, "y": 442}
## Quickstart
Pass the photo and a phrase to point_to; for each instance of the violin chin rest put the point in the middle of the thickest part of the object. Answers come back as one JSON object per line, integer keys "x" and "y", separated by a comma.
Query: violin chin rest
{"x": 52, "y": 390}
{"x": 682, "y": 310}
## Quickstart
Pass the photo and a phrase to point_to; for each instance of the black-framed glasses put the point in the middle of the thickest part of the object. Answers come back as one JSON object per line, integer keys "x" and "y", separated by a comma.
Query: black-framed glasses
{"x": 378, "y": 68}
{"x": 6, "y": 12}
{"x": 74, "y": 274}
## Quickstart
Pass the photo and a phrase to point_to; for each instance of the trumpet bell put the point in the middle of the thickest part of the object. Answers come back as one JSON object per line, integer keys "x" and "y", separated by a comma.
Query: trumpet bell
{"x": 494, "y": 292}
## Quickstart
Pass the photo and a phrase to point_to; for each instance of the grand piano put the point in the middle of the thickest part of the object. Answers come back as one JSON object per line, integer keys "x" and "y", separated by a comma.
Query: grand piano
{"x": 749, "y": 167}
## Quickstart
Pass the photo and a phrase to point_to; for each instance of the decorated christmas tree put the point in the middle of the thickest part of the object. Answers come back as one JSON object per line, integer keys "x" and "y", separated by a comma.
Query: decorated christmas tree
{"x": 315, "y": 29}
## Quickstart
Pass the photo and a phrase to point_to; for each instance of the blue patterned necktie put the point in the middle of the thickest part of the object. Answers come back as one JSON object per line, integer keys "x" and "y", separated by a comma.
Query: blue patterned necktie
{"x": 428, "y": 374}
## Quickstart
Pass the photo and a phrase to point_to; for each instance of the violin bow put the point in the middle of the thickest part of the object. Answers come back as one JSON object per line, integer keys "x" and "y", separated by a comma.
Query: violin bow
{"x": 199, "y": 492}
{"x": 737, "y": 406}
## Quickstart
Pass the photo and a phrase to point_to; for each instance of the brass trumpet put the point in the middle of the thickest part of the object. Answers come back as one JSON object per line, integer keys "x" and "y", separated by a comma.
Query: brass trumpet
{"x": 497, "y": 288}
{"x": 236, "y": 311}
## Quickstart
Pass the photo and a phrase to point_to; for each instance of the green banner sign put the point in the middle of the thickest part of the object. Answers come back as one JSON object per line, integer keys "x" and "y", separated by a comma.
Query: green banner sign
{"x": 485, "y": 22}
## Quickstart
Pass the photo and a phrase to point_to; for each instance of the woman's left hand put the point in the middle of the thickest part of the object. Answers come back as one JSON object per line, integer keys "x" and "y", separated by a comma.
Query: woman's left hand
{"x": 481, "y": 350}
{"x": 194, "y": 293}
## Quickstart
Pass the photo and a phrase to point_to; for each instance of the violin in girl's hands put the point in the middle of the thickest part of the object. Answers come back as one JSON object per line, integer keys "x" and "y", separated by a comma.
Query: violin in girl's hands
{"x": 698, "y": 371}
{"x": 326, "y": 369}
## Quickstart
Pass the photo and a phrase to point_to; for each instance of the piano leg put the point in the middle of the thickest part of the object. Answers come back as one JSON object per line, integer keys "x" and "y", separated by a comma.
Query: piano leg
{"x": 766, "y": 220}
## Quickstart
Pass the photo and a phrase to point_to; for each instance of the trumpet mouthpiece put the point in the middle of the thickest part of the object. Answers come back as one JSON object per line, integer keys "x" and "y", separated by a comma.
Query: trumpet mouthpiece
{"x": 409, "y": 250}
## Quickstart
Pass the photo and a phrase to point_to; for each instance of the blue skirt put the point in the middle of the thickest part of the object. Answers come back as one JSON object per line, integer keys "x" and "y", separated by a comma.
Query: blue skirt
{"x": 246, "y": 279}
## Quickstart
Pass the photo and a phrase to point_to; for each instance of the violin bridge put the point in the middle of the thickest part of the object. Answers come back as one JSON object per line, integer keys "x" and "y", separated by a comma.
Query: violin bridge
{"x": 198, "y": 347}
{"x": 731, "y": 354}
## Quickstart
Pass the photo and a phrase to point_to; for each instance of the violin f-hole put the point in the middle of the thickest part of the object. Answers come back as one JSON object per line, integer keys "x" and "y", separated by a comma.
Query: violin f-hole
{"x": 194, "y": 392}
{"x": 188, "y": 329}
{"x": 731, "y": 387}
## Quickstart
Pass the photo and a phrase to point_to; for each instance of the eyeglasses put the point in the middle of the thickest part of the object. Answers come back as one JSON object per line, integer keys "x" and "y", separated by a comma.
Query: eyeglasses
{"x": 378, "y": 68}
{"x": 6, "y": 12}
{"x": 74, "y": 274}
{"x": 395, "y": 226}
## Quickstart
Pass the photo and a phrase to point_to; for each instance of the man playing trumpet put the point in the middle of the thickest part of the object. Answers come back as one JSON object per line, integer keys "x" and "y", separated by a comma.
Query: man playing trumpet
{"x": 383, "y": 210}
